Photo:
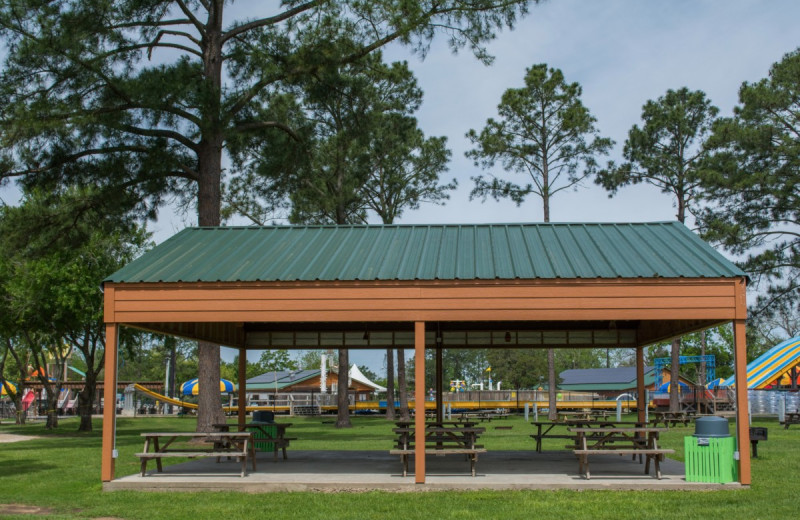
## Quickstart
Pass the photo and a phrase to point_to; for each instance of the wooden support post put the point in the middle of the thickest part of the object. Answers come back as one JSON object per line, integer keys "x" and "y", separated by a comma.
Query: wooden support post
{"x": 242, "y": 408}
{"x": 742, "y": 422}
{"x": 419, "y": 402}
{"x": 641, "y": 399}
{"x": 439, "y": 370}
{"x": 110, "y": 403}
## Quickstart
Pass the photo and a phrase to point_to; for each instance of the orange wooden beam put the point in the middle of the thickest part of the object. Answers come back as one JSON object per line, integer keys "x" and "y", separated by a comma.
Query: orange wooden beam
{"x": 419, "y": 402}
{"x": 740, "y": 372}
{"x": 742, "y": 420}
{"x": 110, "y": 403}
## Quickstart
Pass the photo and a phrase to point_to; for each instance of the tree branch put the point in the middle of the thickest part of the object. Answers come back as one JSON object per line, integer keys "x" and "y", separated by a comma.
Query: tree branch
{"x": 272, "y": 20}
{"x": 159, "y": 132}
{"x": 156, "y": 43}
{"x": 190, "y": 15}
{"x": 180, "y": 21}
{"x": 76, "y": 156}
{"x": 258, "y": 125}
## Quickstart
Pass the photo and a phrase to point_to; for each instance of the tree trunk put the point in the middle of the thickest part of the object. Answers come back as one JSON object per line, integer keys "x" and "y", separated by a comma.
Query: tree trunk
{"x": 552, "y": 413}
{"x": 674, "y": 397}
{"x": 170, "y": 343}
{"x": 86, "y": 400}
{"x": 342, "y": 401}
{"x": 209, "y": 410}
{"x": 552, "y": 407}
{"x": 51, "y": 403}
{"x": 21, "y": 369}
{"x": 88, "y": 394}
{"x": 390, "y": 412}
{"x": 209, "y": 202}
{"x": 17, "y": 400}
{"x": 401, "y": 383}
{"x": 702, "y": 377}
{"x": 209, "y": 398}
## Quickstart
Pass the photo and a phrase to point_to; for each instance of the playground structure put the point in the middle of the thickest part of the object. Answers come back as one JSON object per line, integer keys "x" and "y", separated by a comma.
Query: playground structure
{"x": 700, "y": 397}
{"x": 662, "y": 363}
{"x": 773, "y": 365}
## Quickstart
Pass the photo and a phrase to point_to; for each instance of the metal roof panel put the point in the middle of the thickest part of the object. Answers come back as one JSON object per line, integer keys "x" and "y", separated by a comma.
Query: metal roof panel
{"x": 429, "y": 252}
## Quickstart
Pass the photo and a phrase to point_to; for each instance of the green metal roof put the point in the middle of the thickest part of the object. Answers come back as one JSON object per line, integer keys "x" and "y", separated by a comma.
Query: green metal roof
{"x": 596, "y": 379}
{"x": 429, "y": 252}
{"x": 600, "y": 387}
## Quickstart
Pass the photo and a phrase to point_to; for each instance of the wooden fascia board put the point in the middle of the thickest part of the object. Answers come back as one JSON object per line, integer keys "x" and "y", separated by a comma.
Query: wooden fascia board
{"x": 741, "y": 299}
{"x": 506, "y": 300}
{"x": 109, "y": 300}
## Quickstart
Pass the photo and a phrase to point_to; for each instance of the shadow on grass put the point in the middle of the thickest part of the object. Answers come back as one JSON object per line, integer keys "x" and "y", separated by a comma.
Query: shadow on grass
{"x": 22, "y": 467}
{"x": 64, "y": 442}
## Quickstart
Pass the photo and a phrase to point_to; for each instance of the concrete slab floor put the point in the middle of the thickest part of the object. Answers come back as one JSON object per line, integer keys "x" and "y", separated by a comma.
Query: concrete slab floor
{"x": 377, "y": 470}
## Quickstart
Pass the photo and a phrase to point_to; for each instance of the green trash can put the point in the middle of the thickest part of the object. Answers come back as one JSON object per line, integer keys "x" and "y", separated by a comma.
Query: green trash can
{"x": 258, "y": 437}
{"x": 264, "y": 419}
{"x": 709, "y": 453}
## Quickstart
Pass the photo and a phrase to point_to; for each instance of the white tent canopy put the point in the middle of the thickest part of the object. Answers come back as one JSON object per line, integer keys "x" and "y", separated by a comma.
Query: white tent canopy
{"x": 356, "y": 375}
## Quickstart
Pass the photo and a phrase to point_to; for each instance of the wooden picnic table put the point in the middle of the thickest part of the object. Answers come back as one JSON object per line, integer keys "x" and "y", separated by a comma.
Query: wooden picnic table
{"x": 223, "y": 444}
{"x": 483, "y": 415}
{"x": 279, "y": 440}
{"x": 601, "y": 414}
{"x": 791, "y": 418}
{"x": 457, "y": 422}
{"x": 439, "y": 440}
{"x": 544, "y": 428}
{"x": 670, "y": 418}
{"x": 585, "y": 415}
{"x": 642, "y": 441}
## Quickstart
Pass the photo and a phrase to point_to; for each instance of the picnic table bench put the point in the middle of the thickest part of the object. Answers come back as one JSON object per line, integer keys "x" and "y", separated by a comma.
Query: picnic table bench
{"x": 466, "y": 423}
{"x": 439, "y": 440}
{"x": 670, "y": 418}
{"x": 261, "y": 435}
{"x": 223, "y": 444}
{"x": 544, "y": 428}
{"x": 791, "y": 418}
{"x": 483, "y": 415}
{"x": 642, "y": 441}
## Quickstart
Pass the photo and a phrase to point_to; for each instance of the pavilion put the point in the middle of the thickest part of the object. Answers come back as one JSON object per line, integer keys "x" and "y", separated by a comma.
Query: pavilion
{"x": 429, "y": 286}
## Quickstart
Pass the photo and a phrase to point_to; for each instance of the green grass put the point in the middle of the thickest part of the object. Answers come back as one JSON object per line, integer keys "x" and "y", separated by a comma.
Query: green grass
{"x": 61, "y": 471}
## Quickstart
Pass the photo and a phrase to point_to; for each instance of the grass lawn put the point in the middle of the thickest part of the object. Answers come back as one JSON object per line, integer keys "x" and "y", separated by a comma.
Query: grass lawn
{"x": 61, "y": 472}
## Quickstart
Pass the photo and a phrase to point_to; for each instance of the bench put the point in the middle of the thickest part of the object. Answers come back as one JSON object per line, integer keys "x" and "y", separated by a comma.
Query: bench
{"x": 538, "y": 439}
{"x": 670, "y": 418}
{"x": 471, "y": 453}
{"x": 544, "y": 428}
{"x": 224, "y": 444}
{"x": 439, "y": 440}
{"x": 654, "y": 454}
{"x": 642, "y": 441}
{"x": 791, "y": 418}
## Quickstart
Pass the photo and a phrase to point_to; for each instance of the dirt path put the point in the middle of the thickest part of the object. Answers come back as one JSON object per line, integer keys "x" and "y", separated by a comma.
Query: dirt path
{"x": 22, "y": 509}
{"x": 10, "y": 437}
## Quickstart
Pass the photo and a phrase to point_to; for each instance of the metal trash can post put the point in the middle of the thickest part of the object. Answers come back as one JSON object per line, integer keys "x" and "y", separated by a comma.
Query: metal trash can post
{"x": 757, "y": 434}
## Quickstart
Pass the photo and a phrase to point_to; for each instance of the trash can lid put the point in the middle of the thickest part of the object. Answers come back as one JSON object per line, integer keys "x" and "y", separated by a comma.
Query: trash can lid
{"x": 711, "y": 427}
